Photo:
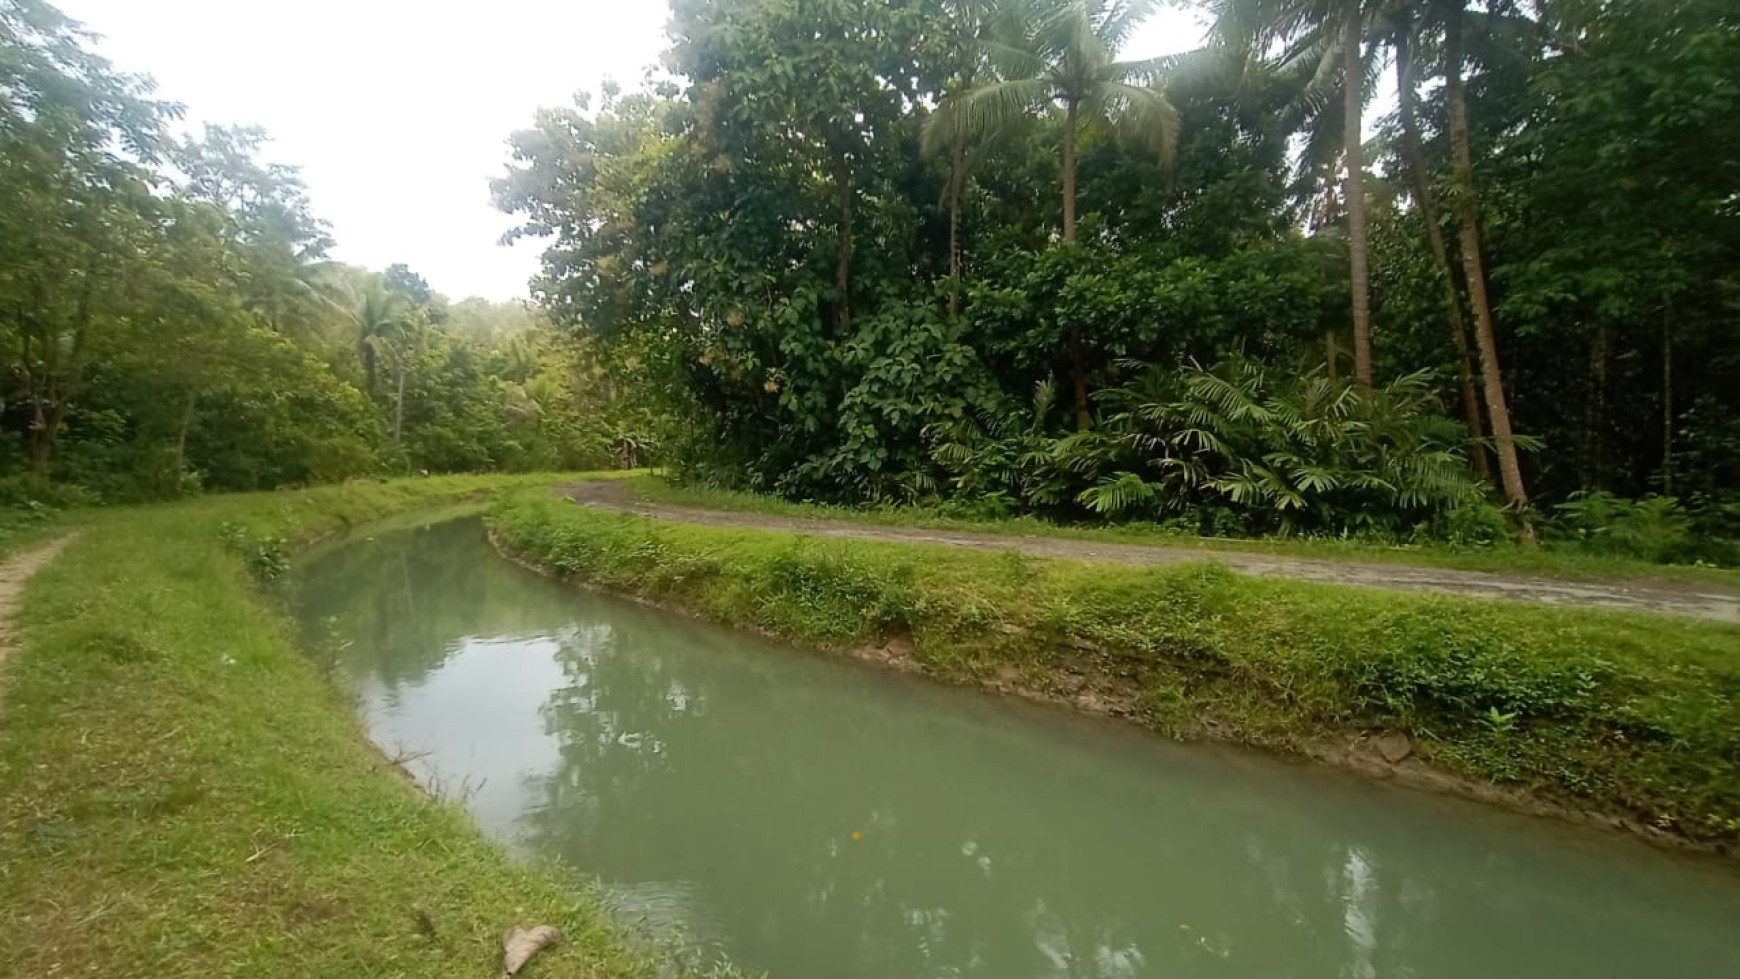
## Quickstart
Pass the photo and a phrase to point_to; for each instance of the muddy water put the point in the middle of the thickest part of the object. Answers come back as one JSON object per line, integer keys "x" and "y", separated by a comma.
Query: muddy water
{"x": 820, "y": 819}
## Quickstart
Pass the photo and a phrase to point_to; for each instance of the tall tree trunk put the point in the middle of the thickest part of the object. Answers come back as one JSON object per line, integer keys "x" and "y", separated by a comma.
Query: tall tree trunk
{"x": 1070, "y": 121}
{"x": 1416, "y": 157}
{"x": 957, "y": 180}
{"x": 399, "y": 404}
{"x": 44, "y": 433}
{"x": 52, "y": 387}
{"x": 41, "y": 444}
{"x": 1667, "y": 406}
{"x": 366, "y": 351}
{"x": 1077, "y": 346}
{"x": 1473, "y": 268}
{"x": 843, "y": 270}
{"x": 181, "y": 433}
{"x": 1354, "y": 191}
{"x": 1595, "y": 477}
{"x": 1332, "y": 354}
{"x": 32, "y": 391}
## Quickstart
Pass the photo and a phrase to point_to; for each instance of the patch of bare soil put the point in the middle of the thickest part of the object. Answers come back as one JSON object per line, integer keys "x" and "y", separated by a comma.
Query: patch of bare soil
{"x": 1665, "y": 597}
{"x": 14, "y": 572}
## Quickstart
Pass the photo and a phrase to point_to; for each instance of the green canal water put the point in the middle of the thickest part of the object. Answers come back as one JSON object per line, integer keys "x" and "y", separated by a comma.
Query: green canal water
{"x": 817, "y": 818}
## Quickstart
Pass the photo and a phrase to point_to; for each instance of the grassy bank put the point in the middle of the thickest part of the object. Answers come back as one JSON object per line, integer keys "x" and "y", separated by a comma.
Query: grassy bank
{"x": 1622, "y": 714}
{"x": 182, "y": 793}
{"x": 1562, "y": 562}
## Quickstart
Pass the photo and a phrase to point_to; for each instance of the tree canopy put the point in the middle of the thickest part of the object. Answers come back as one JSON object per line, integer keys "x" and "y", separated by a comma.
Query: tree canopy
{"x": 170, "y": 319}
{"x": 973, "y": 252}
{"x": 837, "y": 224}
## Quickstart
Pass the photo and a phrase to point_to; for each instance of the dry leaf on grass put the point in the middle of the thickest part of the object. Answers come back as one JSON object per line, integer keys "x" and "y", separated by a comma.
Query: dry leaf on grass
{"x": 520, "y": 944}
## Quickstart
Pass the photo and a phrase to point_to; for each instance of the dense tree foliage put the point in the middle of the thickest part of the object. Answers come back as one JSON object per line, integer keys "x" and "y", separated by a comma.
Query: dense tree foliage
{"x": 836, "y": 235}
{"x": 170, "y": 320}
{"x": 920, "y": 249}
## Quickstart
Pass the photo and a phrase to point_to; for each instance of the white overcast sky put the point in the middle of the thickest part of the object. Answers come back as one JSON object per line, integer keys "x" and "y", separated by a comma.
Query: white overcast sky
{"x": 398, "y": 111}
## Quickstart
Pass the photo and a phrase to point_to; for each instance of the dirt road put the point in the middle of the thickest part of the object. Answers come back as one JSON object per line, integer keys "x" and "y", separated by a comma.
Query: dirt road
{"x": 14, "y": 572}
{"x": 1689, "y": 600}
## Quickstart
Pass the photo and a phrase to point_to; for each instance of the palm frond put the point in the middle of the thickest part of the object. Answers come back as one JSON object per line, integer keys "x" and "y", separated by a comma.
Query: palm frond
{"x": 1121, "y": 18}
{"x": 1118, "y": 494}
{"x": 1145, "y": 71}
{"x": 1142, "y": 115}
{"x": 1010, "y": 58}
{"x": 986, "y": 109}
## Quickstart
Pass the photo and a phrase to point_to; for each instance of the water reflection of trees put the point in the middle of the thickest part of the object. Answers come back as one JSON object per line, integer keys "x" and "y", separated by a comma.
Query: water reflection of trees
{"x": 995, "y": 843}
{"x": 702, "y": 759}
{"x": 401, "y": 603}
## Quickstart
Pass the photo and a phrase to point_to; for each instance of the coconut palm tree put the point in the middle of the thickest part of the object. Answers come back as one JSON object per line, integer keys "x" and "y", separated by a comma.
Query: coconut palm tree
{"x": 1405, "y": 29}
{"x": 1322, "y": 40}
{"x": 969, "y": 28}
{"x": 1467, "y": 207}
{"x": 1322, "y": 44}
{"x": 386, "y": 323}
{"x": 380, "y": 316}
{"x": 1062, "y": 54}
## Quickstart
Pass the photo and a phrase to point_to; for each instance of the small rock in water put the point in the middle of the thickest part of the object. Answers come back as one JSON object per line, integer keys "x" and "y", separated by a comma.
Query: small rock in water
{"x": 1393, "y": 746}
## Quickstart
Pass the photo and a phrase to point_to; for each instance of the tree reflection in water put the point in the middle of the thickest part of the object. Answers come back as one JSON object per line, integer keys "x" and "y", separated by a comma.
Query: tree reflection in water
{"x": 821, "y": 818}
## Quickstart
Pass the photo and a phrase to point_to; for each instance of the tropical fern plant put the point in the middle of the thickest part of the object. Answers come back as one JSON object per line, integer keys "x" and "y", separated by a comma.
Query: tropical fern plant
{"x": 1288, "y": 452}
{"x": 1236, "y": 447}
{"x": 1004, "y": 452}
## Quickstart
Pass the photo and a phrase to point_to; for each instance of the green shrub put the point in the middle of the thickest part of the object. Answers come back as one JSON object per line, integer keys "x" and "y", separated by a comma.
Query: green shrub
{"x": 1654, "y": 528}
{"x": 267, "y": 556}
{"x": 1473, "y": 524}
{"x": 28, "y": 491}
{"x": 992, "y": 506}
{"x": 1434, "y": 669}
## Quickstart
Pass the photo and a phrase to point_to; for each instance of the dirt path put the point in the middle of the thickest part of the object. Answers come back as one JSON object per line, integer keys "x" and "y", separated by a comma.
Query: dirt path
{"x": 14, "y": 572}
{"x": 1697, "y": 601}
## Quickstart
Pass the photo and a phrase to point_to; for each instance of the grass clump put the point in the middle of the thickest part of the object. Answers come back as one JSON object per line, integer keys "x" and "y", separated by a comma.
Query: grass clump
{"x": 182, "y": 793}
{"x": 1628, "y": 714}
